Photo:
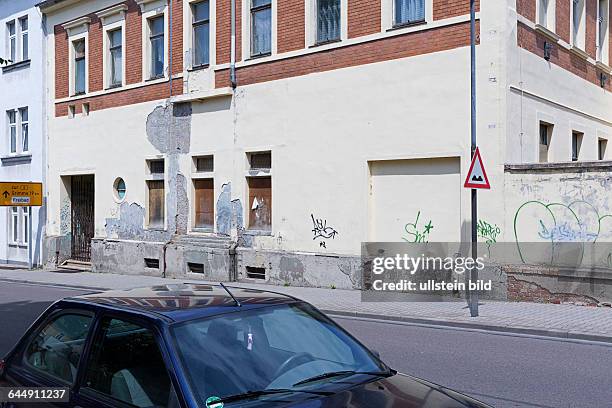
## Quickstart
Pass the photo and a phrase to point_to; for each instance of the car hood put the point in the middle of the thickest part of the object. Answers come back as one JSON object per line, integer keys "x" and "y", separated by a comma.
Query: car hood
{"x": 397, "y": 391}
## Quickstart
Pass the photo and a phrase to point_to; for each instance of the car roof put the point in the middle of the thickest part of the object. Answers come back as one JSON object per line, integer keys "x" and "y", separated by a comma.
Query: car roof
{"x": 184, "y": 301}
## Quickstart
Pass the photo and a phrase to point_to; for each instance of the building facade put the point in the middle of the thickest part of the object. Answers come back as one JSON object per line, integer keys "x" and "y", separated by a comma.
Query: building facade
{"x": 269, "y": 146}
{"x": 22, "y": 120}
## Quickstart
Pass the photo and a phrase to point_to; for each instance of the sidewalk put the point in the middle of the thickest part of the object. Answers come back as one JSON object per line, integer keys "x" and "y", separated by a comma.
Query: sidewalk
{"x": 561, "y": 321}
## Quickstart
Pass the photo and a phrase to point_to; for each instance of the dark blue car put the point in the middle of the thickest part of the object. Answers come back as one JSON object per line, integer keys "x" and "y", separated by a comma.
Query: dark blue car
{"x": 196, "y": 346}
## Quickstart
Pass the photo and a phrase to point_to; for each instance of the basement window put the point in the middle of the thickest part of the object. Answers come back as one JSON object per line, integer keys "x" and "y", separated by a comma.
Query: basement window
{"x": 151, "y": 263}
{"x": 204, "y": 164}
{"x": 602, "y": 144}
{"x": 254, "y": 272}
{"x": 576, "y": 145}
{"x": 260, "y": 160}
{"x": 156, "y": 166}
{"x": 545, "y": 137}
{"x": 195, "y": 267}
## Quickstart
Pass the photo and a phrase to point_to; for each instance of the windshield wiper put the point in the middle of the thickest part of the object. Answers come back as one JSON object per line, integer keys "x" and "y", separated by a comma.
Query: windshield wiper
{"x": 345, "y": 372}
{"x": 259, "y": 393}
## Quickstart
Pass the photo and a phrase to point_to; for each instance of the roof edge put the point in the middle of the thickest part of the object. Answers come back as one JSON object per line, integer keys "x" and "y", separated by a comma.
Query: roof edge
{"x": 49, "y": 6}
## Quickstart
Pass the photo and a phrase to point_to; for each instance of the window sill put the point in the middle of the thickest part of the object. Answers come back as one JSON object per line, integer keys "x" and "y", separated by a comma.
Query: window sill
{"x": 77, "y": 94}
{"x": 155, "y": 78}
{"x": 16, "y": 159}
{"x": 203, "y": 230}
{"x": 603, "y": 67}
{"x": 258, "y": 233}
{"x": 406, "y": 25}
{"x": 547, "y": 33}
{"x": 114, "y": 86}
{"x": 559, "y": 166}
{"x": 321, "y": 43}
{"x": 258, "y": 56}
{"x": 15, "y": 66}
{"x": 198, "y": 67}
{"x": 579, "y": 52}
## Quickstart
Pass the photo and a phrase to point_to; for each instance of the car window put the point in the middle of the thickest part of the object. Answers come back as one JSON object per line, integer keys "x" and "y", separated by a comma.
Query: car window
{"x": 126, "y": 364}
{"x": 57, "y": 348}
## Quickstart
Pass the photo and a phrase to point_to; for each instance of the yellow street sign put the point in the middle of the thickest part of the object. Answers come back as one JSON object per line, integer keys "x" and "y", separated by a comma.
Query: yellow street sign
{"x": 15, "y": 194}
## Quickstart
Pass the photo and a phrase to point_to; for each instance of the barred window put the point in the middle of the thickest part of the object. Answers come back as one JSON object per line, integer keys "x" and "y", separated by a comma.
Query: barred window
{"x": 328, "y": 20}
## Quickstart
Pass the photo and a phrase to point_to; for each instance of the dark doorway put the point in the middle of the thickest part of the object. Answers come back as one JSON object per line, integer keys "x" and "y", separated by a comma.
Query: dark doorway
{"x": 82, "y": 200}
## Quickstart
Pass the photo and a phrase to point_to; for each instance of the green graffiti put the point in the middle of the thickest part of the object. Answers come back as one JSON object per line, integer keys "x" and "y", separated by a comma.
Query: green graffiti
{"x": 487, "y": 231}
{"x": 418, "y": 234}
{"x": 561, "y": 223}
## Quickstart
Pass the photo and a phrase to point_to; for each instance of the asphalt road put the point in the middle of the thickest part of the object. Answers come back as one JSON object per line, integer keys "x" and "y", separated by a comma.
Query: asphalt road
{"x": 502, "y": 370}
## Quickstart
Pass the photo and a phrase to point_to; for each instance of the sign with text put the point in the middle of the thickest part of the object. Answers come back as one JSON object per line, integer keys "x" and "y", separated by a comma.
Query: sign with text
{"x": 18, "y": 194}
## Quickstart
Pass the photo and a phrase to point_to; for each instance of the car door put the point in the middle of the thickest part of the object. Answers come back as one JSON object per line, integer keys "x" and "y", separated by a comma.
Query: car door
{"x": 125, "y": 367}
{"x": 51, "y": 355}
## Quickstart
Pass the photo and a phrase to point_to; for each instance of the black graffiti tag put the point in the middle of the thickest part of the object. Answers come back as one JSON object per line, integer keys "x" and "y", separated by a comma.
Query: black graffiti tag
{"x": 321, "y": 230}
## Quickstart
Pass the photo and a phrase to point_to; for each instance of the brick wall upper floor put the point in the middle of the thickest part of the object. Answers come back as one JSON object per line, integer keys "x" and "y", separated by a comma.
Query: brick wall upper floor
{"x": 572, "y": 34}
{"x": 273, "y": 39}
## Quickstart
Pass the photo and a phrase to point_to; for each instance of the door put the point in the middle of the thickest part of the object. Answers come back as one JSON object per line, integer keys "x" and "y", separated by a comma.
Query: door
{"x": 204, "y": 203}
{"x": 82, "y": 228}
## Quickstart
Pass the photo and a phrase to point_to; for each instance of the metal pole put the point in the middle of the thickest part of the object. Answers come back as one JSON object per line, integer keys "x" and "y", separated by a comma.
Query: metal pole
{"x": 473, "y": 295}
{"x": 30, "y": 260}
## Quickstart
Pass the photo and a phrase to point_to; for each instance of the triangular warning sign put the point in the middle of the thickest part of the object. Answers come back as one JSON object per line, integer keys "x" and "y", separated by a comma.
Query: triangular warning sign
{"x": 477, "y": 176}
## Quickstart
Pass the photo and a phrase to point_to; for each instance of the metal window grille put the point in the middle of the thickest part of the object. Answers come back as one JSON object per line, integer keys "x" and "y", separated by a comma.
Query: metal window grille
{"x": 328, "y": 20}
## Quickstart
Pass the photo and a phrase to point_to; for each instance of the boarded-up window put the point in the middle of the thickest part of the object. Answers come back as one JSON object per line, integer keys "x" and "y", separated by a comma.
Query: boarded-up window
{"x": 204, "y": 203}
{"x": 156, "y": 203}
{"x": 260, "y": 203}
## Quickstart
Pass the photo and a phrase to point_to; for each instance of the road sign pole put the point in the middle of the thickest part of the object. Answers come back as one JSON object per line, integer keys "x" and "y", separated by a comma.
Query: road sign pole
{"x": 30, "y": 260}
{"x": 473, "y": 295}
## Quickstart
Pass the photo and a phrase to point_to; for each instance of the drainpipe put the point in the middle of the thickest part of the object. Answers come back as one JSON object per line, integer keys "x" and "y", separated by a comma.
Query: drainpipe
{"x": 233, "y": 45}
{"x": 170, "y": 45}
{"x": 233, "y": 269}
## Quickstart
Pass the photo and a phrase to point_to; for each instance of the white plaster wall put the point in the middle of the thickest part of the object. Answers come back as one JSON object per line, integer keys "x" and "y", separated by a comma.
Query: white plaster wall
{"x": 20, "y": 88}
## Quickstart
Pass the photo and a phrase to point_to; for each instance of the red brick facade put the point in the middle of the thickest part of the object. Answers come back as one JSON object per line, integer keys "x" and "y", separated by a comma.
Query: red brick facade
{"x": 291, "y": 25}
{"x": 407, "y": 45}
{"x": 364, "y": 18}
{"x": 534, "y": 42}
{"x": 452, "y": 8}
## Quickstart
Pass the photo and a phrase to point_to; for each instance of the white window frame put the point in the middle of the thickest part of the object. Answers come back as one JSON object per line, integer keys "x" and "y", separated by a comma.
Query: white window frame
{"x": 23, "y": 33}
{"x": 603, "y": 41}
{"x": 25, "y": 230}
{"x": 112, "y": 18}
{"x": 151, "y": 9}
{"x": 311, "y": 21}
{"x": 578, "y": 34}
{"x": 20, "y": 129}
{"x": 11, "y": 38}
{"x": 9, "y": 127}
{"x": 188, "y": 34}
{"x": 18, "y": 126}
{"x": 549, "y": 20}
{"x": 246, "y": 30}
{"x": 77, "y": 29}
{"x": 14, "y": 225}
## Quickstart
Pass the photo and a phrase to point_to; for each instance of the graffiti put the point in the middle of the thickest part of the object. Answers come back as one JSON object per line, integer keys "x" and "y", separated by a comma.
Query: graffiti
{"x": 321, "y": 230}
{"x": 418, "y": 234}
{"x": 487, "y": 231}
{"x": 578, "y": 222}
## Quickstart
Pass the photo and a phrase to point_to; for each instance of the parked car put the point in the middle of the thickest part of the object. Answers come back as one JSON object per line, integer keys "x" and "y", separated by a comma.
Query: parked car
{"x": 196, "y": 346}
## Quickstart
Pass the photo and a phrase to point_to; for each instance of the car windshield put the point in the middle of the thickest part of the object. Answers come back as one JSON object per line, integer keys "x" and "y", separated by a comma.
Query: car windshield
{"x": 287, "y": 347}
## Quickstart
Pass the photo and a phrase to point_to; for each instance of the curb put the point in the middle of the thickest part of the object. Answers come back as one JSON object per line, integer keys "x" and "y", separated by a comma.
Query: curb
{"x": 550, "y": 333}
